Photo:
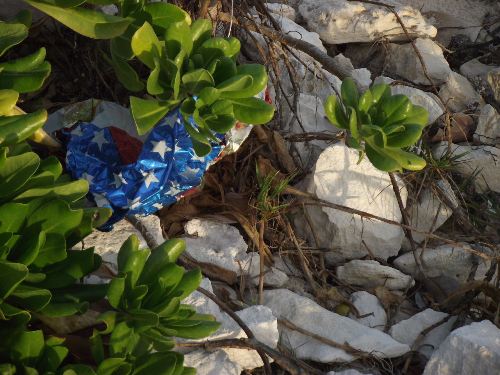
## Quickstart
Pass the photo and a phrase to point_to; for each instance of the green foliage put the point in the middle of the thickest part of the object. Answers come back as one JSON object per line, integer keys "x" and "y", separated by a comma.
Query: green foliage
{"x": 41, "y": 220}
{"x": 22, "y": 75}
{"x": 380, "y": 124}
{"x": 188, "y": 68}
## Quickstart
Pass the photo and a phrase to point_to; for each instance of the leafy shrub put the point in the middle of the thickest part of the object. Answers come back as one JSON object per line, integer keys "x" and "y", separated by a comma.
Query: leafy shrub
{"x": 380, "y": 124}
{"x": 188, "y": 67}
{"x": 41, "y": 219}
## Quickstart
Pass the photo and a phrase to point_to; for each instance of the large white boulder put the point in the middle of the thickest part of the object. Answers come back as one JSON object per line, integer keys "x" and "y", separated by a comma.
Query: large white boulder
{"x": 371, "y": 312}
{"x": 339, "y": 178}
{"x": 459, "y": 93}
{"x": 370, "y": 274}
{"x": 310, "y": 316}
{"x": 404, "y": 62}
{"x": 488, "y": 126}
{"x": 281, "y": 9}
{"x": 411, "y": 330}
{"x": 482, "y": 162}
{"x": 473, "y": 349}
{"x": 446, "y": 265}
{"x": 418, "y": 97}
{"x": 342, "y": 21}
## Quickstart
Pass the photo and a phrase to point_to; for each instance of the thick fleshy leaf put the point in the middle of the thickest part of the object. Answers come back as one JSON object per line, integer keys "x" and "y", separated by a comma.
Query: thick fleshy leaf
{"x": 15, "y": 129}
{"x": 30, "y": 298}
{"x": 8, "y": 99}
{"x": 177, "y": 38}
{"x": 16, "y": 171}
{"x": 93, "y": 24}
{"x": 166, "y": 253}
{"x": 56, "y": 216}
{"x": 252, "y": 111}
{"x": 147, "y": 113}
{"x": 335, "y": 113}
{"x": 126, "y": 74}
{"x": 146, "y": 45}
{"x": 27, "y": 347}
{"x": 349, "y": 93}
{"x": 201, "y": 30}
{"x": 197, "y": 80}
{"x": 12, "y": 217}
{"x": 131, "y": 259}
{"x": 408, "y": 137}
{"x": 67, "y": 191}
{"x": 11, "y": 34}
{"x": 163, "y": 15}
{"x": 11, "y": 275}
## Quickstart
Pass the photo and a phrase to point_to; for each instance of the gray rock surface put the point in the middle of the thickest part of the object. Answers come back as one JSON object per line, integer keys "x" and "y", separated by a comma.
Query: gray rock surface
{"x": 488, "y": 127}
{"x": 310, "y": 316}
{"x": 448, "y": 266}
{"x": 473, "y": 349}
{"x": 404, "y": 62}
{"x": 370, "y": 274}
{"x": 483, "y": 162}
{"x": 411, "y": 331}
{"x": 459, "y": 93}
{"x": 370, "y": 307}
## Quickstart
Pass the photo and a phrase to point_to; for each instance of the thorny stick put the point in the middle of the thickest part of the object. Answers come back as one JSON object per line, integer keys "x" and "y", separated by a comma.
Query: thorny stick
{"x": 241, "y": 323}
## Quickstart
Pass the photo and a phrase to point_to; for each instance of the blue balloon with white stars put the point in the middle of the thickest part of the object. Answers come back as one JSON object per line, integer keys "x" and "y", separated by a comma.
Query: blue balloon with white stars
{"x": 167, "y": 166}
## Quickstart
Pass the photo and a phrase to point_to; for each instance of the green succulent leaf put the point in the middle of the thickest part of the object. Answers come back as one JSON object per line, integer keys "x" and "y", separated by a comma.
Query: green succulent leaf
{"x": 90, "y": 23}
{"x": 11, "y": 275}
{"x": 252, "y": 111}
{"x": 146, "y": 45}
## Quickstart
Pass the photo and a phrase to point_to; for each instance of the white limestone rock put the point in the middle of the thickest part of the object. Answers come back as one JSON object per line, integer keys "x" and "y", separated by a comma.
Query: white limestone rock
{"x": 259, "y": 319}
{"x": 404, "y": 62}
{"x": 310, "y": 316}
{"x": 429, "y": 212}
{"x": 448, "y": 266}
{"x": 462, "y": 17}
{"x": 342, "y": 21}
{"x": 212, "y": 363}
{"x": 284, "y": 10}
{"x": 409, "y": 331}
{"x": 339, "y": 178}
{"x": 418, "y": 97}
{"x": 362, "y": 76}
{"x": 370, "y": 274}
{"x": 473, "y": 349}
{"x": 488, "y": 127}
{"x": 459, "y": 93}
{"x": 474, "y": 68}
{"x": 481, "y": 160}
{"x": 368, "y": 304}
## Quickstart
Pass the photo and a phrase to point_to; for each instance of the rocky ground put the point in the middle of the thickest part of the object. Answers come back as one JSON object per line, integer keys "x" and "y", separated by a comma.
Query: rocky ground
{"x": 310, "y": 252}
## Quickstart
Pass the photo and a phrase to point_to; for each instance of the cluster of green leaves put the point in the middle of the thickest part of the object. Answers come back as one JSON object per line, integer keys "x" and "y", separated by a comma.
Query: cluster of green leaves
{"x": 379, "y": 123}
{"x": 19, "y": 76}
{"x": 188, "y": 67}
{"x": 146, "y": 297}
{"x": 41, "y": 219}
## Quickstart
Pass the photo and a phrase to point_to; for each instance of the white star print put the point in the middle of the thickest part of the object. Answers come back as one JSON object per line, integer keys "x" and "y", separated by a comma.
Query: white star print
{"x": 190, "y": 173}
{"x": 78, "y": 131}
{"x": 133, "y": 203}
{"x": 99, "y": 139}
{"x": 150, "y": 178}
{"x": 118, "y": 180}
{"x": 87, "y": 177}
{"x": 174, "y": 190}
{"x": 160, "y": 148}
{"x": 158, "y": 206}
